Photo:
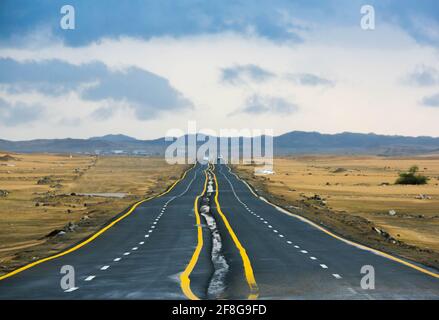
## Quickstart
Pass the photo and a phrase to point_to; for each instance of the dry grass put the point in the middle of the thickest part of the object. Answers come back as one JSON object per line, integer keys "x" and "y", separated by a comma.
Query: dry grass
{"x": 30, "y": 211}
{"x": 364, "y": 187}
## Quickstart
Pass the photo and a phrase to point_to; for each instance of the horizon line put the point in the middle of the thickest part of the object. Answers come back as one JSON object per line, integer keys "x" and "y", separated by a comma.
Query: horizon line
{"x": 216, "y": 136}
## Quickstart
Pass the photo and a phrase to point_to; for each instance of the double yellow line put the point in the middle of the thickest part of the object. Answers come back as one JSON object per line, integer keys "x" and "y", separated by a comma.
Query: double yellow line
{"x": 97, "y": 234}
{"x": 248, "y": 270}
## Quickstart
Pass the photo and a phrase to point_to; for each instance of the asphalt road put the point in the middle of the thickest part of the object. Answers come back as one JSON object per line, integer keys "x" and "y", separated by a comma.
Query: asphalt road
{"x": 244, "y": 248}
{"x": 292, "y": 259}
{"x": 140, "y": 257}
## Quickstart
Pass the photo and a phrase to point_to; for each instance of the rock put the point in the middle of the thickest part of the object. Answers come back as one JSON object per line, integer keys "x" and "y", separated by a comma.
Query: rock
{"x": 86, "y": 217}
{"x": 45, "y": 180}
{"x": 4, "y": 193}
{"x": 69, "y": 211}
{"x": 392, "y": 212}
{"x": 37, "y": 204}
{"x": 338, "y": 170}
{"x": 70, "y": 227}
{"x": 383, "y": 233}
{"x": 423, "y": 197}
{"x": 54, "y": 233}
{"x": 316, "y": 197}
{"x": 7, "y": 157}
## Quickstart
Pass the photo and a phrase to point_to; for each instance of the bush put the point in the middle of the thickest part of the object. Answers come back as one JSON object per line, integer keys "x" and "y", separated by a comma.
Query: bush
{"x": 411, "y": 177}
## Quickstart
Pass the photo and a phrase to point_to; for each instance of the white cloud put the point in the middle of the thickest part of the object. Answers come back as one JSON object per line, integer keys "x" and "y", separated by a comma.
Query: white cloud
{"x": 366, "y": 67}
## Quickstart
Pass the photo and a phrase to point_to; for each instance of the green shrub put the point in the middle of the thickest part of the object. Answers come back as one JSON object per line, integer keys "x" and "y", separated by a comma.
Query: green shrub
{"x": 411, "y": 177}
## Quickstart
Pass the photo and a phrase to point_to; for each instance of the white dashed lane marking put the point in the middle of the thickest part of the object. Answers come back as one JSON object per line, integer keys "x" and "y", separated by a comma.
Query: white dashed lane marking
{"x": 89, "y": 278}
{"x": 324, "y": 266}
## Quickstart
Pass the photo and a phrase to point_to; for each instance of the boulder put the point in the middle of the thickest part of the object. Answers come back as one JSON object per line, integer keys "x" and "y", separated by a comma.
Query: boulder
{"x": 70, "y": 227}
{"x": 45, "y": 180}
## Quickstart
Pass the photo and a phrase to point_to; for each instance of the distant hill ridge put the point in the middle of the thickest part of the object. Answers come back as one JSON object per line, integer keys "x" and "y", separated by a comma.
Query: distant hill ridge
{"x": 114, "y": 138}
{"x": 295, "y": 142}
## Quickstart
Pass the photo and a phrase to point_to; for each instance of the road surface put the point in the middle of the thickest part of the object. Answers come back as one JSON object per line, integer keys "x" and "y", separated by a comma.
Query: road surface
{"x": 244, "y": 248}
{"x": 140, "y": 257}
{"x": 291, "y": 259}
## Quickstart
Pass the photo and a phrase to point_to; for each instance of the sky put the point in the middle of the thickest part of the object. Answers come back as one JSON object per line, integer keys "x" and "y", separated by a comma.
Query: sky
{"x": 143, "y": 68}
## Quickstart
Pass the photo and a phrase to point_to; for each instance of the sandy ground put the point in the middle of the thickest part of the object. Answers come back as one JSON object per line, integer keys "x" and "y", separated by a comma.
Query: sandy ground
{"x": 42, "y": 198}
{"x": 353, "y": 195}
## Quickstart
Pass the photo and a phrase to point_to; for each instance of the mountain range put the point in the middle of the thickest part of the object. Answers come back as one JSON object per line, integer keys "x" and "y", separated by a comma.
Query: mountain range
{"x": 295, "y": 142}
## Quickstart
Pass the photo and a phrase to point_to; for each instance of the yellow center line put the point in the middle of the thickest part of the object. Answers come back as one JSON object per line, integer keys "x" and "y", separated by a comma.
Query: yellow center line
{"x": 185, "y": 281}
{"x": 94, "y": 236}
{"x": 248, "y": 270}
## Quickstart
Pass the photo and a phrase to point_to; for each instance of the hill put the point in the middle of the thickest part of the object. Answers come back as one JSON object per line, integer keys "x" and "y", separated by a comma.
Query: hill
{"x": 295, "y": 142}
